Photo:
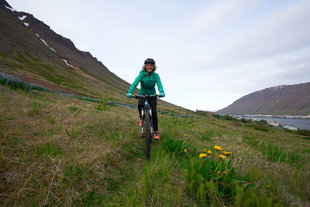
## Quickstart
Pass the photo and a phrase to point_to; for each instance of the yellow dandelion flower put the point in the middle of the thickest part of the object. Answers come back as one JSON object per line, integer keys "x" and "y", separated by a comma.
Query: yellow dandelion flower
{"x": 268, "y": 186}
{"x": 202, "y": 155}
{"x": 185, "y": 135}
{"x": 209, "y": 152}
{"x": 224, "y": 173}
{"x": 204, "y": 150}
{"x": 222, "y": 156}
{"x": 226, "y": 153}
{"x": 218, "y": 172}
{"x": 185, "y": 150}
{"x": 219, "y": 148}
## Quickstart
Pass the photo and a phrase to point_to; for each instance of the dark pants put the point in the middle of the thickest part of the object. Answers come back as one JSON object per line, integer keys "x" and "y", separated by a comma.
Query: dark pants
{"x": 153, "y": 105}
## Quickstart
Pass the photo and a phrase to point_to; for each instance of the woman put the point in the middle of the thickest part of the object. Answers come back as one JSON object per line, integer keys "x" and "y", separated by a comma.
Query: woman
{"x": 148, "y": 78}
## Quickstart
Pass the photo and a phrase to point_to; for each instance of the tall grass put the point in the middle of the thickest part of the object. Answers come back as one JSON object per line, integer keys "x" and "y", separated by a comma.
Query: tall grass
{"x": 274, "y": 153}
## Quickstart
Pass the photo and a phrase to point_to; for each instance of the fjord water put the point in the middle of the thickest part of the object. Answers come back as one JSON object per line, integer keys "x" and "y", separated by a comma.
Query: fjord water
{"x": 298, "y": 123}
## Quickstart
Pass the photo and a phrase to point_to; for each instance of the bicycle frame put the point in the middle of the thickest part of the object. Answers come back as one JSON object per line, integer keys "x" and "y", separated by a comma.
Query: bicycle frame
{"x": 147, "y": 123}
{"x": 146, "y": 109}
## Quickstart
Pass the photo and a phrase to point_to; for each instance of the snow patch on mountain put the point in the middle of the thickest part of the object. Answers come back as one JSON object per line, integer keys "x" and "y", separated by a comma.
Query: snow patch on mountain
{"x": 26, "y": 24}
{"x": 47, "y": 44}
{"x": 9, "y": 8}
{"x": 22, "y": 18}
{"x": 67, "y": 63}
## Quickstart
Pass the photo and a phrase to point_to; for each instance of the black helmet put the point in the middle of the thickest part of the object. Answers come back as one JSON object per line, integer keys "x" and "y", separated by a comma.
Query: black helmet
{"x": 149, "y": 60}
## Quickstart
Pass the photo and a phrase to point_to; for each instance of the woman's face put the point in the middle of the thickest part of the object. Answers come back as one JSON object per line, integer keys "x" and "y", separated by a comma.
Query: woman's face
{"x": 149, "y": 67}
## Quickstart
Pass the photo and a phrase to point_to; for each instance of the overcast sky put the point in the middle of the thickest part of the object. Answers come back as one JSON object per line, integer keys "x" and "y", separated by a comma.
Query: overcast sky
{"x": 208, "y": 53}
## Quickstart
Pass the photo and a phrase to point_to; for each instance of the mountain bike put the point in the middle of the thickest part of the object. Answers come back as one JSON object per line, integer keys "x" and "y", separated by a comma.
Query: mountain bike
{"x": 147, "y": 123}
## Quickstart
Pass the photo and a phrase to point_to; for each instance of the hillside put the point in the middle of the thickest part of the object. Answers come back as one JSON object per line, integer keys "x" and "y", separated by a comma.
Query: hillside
{"x": 279, "y": 100}
{"x": 33, "y": 52}
{"x": 61, "y": 151}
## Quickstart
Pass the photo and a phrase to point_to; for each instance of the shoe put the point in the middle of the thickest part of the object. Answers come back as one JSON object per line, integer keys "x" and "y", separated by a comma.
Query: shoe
{"x": 140, "y": 123}
{"x": 156, "y": 135}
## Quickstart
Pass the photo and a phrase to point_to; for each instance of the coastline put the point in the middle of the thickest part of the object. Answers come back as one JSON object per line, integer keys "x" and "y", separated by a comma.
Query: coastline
{"x": 286, "y": 121}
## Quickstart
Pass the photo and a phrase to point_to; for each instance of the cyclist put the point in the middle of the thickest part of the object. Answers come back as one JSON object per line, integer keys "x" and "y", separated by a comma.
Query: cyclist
{"x": 147, "y": 77}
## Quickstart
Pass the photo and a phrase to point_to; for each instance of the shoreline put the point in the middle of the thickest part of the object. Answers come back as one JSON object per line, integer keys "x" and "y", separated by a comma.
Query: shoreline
{"x": 290, "y": 122}
{"x": 274, "y": 116}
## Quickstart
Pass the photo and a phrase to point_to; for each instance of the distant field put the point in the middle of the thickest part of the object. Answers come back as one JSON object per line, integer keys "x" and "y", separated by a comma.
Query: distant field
{"x": 61, "y": 151}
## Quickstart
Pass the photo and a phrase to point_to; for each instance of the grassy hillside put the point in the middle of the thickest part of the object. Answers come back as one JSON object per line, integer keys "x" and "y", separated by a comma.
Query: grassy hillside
{"x": 61, "y": 151}
{"x": 24, "y": 55}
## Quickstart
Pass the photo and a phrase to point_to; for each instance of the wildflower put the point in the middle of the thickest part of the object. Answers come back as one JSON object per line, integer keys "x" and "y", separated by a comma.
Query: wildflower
{"x": 268, "y": 186}
{"x": 204, "y": 150}
{"x": 209, "y": 152}
{"x": 222, "y": 156}
{"x": 219, "y": 148}
{"x": 224, "y": 173}
{"x": 218, "y": 172}
{"x": 226, "y": 153}
{"x": 185, "y": 150}
{"x": 185, "y": 135}
{"x": 202, "y": 155}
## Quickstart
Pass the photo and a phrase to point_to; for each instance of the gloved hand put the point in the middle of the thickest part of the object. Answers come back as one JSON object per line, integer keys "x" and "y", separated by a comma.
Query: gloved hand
{"x": 162, "y": 94}
{"x": 129, "y": 95}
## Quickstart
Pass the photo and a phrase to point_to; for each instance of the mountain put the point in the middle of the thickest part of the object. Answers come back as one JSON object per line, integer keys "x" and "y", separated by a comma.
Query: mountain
{"x": 32, "y": 51}
{"x": 279, "y": 100}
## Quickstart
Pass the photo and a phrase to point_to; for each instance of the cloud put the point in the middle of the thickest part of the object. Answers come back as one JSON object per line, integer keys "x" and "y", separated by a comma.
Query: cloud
{"x": 281, "y": 31}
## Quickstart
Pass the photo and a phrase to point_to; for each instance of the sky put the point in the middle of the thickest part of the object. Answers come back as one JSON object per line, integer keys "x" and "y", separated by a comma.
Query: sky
{"x": 208, "y": 53}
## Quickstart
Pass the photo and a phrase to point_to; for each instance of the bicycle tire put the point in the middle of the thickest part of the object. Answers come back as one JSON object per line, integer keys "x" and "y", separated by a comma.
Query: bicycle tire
{"x": 148, "y": 135}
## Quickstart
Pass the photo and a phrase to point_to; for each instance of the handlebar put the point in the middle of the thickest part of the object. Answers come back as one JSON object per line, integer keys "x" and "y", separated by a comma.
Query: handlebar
{"x": 144, "y": 96}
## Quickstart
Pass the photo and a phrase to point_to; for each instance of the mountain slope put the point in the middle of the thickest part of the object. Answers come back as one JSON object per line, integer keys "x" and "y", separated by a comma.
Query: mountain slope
{"x": 31, "y": 51}
{"x": 280, "y": 100}
{"x": 29, "y": 48}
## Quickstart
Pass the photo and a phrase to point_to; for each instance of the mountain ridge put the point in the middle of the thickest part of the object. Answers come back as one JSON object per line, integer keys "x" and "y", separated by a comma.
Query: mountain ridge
{"x": 278, "y": 100}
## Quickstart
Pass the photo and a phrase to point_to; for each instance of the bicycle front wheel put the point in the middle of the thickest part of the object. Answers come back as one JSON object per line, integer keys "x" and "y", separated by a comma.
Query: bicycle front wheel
{"x": 148, "y": 135}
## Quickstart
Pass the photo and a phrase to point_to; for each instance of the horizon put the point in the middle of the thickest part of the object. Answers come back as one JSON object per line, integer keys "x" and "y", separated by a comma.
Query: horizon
{"x": 224, "y": 42}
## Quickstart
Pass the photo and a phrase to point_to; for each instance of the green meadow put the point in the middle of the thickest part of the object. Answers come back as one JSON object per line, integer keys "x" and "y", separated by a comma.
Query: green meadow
{"x": 62, "y": 151}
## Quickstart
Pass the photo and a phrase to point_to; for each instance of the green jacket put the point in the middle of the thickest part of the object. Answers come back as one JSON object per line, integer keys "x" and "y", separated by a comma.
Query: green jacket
{"x": 147, "y": 83}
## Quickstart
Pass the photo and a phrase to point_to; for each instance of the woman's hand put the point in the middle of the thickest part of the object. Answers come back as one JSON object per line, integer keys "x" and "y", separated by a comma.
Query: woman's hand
{"x": 129, "y": 95}
{"x": 162, "y": 94}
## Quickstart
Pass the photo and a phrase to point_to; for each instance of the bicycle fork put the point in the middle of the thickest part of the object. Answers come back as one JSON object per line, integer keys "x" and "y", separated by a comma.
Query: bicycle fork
{"x": 143, "y": 119}
{"x": 142, "y": 127}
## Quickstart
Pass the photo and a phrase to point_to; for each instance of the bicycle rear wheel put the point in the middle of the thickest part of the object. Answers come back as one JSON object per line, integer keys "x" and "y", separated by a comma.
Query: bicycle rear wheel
{"x": 148, "y": 135}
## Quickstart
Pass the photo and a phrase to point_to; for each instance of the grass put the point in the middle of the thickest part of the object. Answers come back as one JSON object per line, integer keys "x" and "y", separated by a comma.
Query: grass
{"x": 63, "y": 151}
{"x": 276, "y": 154}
